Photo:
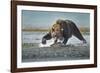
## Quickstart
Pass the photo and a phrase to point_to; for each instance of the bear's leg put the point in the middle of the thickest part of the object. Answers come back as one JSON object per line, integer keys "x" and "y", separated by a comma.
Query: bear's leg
{"x": 55, "y": 41}
{"x": 78, "y": 34}
{"x": 46, "y": 37}
{"x": 65, "y": 41}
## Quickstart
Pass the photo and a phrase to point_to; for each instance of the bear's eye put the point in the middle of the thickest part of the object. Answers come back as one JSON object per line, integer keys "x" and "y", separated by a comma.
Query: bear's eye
{"x": 57, "y": 29}
{"x": 52, "y": 29}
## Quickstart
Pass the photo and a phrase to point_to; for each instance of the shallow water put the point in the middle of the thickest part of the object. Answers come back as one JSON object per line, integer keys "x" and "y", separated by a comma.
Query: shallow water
{"x": 35, "y": 38}
{"x": 32, "y": 51}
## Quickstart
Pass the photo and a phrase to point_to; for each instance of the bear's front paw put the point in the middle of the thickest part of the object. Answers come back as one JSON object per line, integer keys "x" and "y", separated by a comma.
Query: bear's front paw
{"x": 43, "y": 41}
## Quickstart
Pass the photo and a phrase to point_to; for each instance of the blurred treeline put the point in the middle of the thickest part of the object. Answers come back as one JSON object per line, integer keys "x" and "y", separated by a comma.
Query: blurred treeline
{"x": 82, "y": 29}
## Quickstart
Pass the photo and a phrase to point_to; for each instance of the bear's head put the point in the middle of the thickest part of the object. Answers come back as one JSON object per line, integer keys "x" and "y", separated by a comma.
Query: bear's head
{"x": 56, "y": 31}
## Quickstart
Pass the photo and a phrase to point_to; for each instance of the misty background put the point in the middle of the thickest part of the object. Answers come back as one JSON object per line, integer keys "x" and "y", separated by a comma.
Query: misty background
{"x": 32, "y": 19}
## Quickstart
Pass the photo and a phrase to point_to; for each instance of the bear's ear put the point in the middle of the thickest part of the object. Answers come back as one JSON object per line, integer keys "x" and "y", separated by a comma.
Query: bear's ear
{"x": 59, "y": 21}
{"x": 51, "y": 29}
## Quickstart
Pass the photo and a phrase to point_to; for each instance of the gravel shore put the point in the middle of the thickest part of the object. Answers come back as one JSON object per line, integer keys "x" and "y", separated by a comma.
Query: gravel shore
{"x": 55, "y": 53}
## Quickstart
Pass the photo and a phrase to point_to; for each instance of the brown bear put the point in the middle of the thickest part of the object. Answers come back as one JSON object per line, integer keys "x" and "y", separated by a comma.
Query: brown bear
{"x": 66, "y": 29}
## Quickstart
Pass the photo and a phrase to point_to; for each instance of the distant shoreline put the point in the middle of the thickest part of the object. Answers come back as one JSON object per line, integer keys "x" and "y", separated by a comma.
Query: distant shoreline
{"x": 82, "y": 29}
{"x": 35, "y": 30}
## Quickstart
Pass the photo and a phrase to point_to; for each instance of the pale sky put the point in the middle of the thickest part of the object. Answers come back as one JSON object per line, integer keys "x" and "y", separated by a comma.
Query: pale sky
{"x": 45, "y": 19}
